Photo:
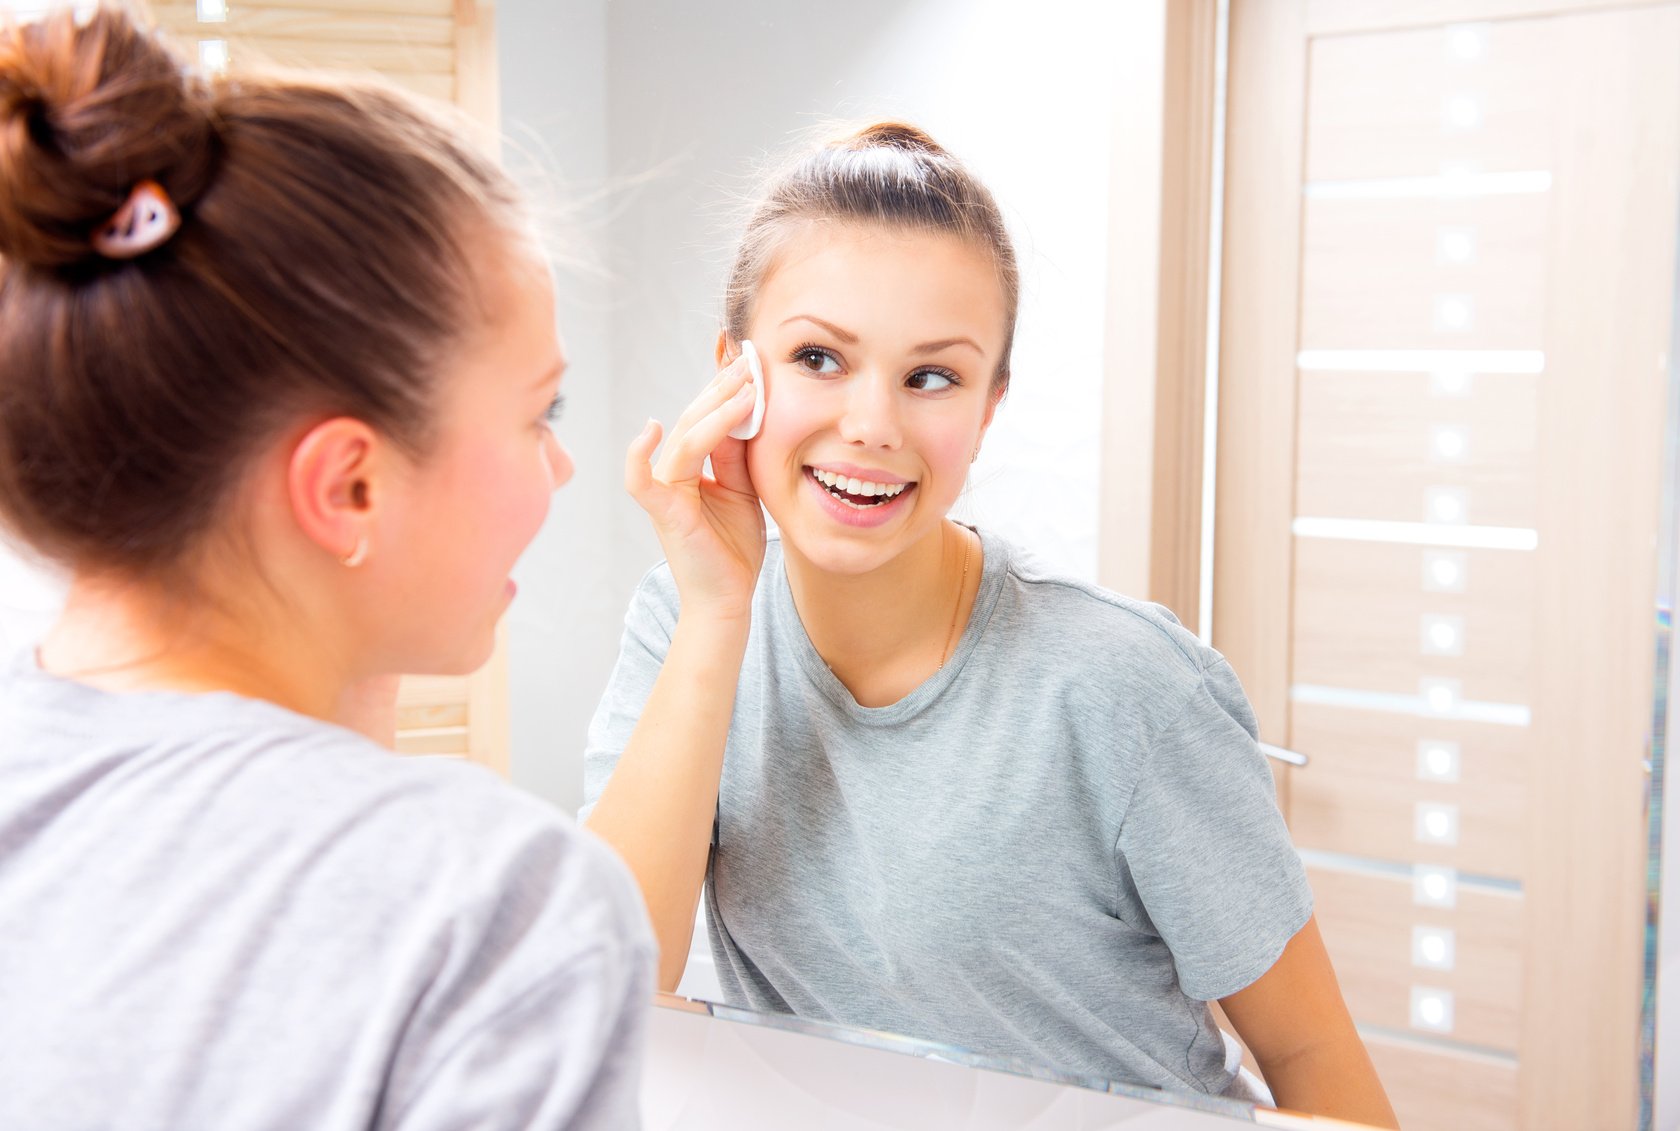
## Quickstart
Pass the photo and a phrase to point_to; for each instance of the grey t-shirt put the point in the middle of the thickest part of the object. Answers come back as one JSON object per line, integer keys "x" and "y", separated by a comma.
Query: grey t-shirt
{"x": 1058, "y": 848}
{"x": 215, "y": 913}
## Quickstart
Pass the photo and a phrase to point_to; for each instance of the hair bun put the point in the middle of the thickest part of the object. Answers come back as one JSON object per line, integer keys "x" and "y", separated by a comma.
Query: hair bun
{"x": 87, "y": 110}
{"x": 892, "y": 135}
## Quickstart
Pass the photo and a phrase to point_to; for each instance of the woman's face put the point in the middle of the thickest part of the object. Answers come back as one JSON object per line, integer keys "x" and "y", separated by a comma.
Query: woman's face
{"x": 470, "y": 506}
{"x": 879, "y": 348}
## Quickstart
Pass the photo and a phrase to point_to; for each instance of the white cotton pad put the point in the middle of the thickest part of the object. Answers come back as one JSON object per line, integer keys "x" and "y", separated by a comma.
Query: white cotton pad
{"x": 749, "y": 428}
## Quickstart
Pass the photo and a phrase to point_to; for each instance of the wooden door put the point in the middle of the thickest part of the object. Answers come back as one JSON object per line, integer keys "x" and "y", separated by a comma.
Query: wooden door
{"x": 1448, "y": 279}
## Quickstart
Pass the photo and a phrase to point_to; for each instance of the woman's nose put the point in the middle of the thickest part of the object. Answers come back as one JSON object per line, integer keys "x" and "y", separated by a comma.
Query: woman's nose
{"x": 871, "y": 415}
{"x": 559, "y": 461}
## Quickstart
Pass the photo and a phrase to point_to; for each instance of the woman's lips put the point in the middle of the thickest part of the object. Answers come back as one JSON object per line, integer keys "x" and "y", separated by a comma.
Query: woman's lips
{"x": 852, "y": 471}
{"x": 849, "y": 514}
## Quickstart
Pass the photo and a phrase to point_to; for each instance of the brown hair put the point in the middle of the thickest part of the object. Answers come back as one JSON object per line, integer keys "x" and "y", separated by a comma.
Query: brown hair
{"x": 887, "y": 173}
{"x": 322, "y": 266}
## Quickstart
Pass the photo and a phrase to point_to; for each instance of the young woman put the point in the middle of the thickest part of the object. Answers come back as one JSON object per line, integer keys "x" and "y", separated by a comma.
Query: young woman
{"x": 276, "y": 370}
{"x": 930, "y": 787}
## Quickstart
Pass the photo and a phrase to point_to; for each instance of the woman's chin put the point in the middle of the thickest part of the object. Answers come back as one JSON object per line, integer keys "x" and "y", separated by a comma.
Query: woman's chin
{"x": 847, "y": 553}
{"x": 462, "y": 659}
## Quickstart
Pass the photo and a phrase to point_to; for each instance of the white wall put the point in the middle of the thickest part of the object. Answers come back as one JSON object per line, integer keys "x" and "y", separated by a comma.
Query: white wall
{"x": 563, "y": 627}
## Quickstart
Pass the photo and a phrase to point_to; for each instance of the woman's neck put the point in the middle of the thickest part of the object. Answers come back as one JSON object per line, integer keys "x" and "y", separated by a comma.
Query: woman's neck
{"x": 134, "y": 637}
{"x": 884, "y": 632}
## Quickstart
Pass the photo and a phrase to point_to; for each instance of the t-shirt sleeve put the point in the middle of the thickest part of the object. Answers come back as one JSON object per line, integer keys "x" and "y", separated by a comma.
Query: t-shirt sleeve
{"x": 563, "y": 1054}
{"x": 1203, "y": 846}
{"x": 648, "y": 626}
{"x": 535, "y": 1010}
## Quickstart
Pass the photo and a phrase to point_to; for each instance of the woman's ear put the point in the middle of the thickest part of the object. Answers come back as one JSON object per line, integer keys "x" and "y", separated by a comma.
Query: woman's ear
{"x": 994, "y": 397}
{"x": 333, "y": 488}
{"x": 725, "y": 351}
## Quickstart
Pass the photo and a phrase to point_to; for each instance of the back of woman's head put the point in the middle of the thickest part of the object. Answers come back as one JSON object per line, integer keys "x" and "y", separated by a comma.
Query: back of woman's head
{"x": 323, "y": 264}
{"x": 887, "y": 174}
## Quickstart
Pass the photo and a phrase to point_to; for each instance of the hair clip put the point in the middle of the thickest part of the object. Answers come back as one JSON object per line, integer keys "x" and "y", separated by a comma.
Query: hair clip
{"x": 145, "y": 221}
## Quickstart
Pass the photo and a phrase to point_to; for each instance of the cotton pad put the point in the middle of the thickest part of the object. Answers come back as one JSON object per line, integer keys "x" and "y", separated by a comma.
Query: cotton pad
{"x": 748, "y": 428}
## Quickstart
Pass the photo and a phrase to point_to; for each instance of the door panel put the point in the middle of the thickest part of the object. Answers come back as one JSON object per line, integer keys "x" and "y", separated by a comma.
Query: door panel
{"x": 1392, "y": 447}
{"x": 1365, "y": 620}
{"x": 1427, "y": 101}
{"x": 1463, "y": 272}
{"x": 1456, "y": 971}
{"x": 1380, "y": 781}
{"x": 1435, "y": 1087}
{"x": 1449, "y": 274}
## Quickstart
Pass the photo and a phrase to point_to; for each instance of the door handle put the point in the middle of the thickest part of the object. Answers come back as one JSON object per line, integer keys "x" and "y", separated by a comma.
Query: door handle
{"x": 1282, "y": 755}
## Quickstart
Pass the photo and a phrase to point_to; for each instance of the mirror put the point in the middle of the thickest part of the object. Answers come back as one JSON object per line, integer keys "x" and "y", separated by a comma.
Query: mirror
{"x": 1438, "y": 884}
{"x": 1422, "y": 392}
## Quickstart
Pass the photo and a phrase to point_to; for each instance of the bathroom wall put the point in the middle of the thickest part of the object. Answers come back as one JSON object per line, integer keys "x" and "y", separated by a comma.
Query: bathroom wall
{"x": 563, "y": 628}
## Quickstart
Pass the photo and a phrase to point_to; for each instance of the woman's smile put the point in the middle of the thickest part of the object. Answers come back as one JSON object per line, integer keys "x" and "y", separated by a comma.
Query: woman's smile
{"x": 857, "y": 501}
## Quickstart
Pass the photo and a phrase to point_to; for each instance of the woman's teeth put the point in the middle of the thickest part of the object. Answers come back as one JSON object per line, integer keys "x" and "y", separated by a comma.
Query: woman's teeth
{"x": 857, "y": 492}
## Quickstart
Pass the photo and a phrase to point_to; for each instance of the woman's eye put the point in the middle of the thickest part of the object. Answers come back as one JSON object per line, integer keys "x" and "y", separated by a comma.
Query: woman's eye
{"x": 816, "y": 360}
{"x": 932, "y": 380}
{"x": 551, "y": 414}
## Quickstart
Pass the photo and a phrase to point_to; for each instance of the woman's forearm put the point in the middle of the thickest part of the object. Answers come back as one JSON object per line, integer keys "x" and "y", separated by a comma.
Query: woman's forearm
{"x": 657, "y": 809}
{"x": 1295, "y": 1022}
{"x": 1333, "y": 1078}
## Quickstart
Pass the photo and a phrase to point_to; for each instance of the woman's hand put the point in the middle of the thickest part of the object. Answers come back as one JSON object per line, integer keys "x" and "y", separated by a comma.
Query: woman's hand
{"x": 657, "y": 810}
{"x": 712, "y": 530}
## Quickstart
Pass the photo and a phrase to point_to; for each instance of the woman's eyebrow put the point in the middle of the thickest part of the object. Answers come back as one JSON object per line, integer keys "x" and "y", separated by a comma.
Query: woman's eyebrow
{"x": 851, "y": 339}
{"x": 550, "y": 374}
{"x": 947, "y": 343}
{"x": 844, "y": 335}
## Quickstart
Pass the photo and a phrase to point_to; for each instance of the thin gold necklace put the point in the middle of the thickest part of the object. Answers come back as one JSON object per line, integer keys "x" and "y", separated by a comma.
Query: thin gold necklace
{"x": 951, "y": 633}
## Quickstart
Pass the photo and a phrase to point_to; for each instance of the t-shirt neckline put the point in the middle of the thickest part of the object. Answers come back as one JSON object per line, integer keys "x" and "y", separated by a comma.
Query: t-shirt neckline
{"x": 66, "y": 697}
{"x": 994, "y": 563}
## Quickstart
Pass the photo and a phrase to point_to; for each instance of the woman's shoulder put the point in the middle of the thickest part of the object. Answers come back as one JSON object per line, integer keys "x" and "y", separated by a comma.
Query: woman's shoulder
{"x": 256, "y": 779}
{"x": 1089, "y": 622}
{"x": 438, "y": 817}
{"x": 502, "y": 847}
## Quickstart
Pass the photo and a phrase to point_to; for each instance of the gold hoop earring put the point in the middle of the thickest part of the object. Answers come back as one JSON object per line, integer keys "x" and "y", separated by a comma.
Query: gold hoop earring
{"x": 358, "y": 555}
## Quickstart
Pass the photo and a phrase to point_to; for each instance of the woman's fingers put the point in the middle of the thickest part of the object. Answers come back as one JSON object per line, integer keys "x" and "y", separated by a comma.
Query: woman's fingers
{"x": 685, "y": 455}
{"x": 638, "y": 470}
{"x": 729, "y": 380}
{"x": 729, "y": 466}
{"x": 701, "y": 432}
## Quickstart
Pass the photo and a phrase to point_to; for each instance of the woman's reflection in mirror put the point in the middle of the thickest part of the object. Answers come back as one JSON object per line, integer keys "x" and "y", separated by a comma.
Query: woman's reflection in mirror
{"x": 923, "y": 783}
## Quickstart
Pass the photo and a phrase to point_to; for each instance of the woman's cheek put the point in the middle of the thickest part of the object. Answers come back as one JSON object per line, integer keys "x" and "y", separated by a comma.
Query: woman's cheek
{"x": 948, "y": 454}
{"x": 779, "y": 435}
{"x": 509, "y": 491}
